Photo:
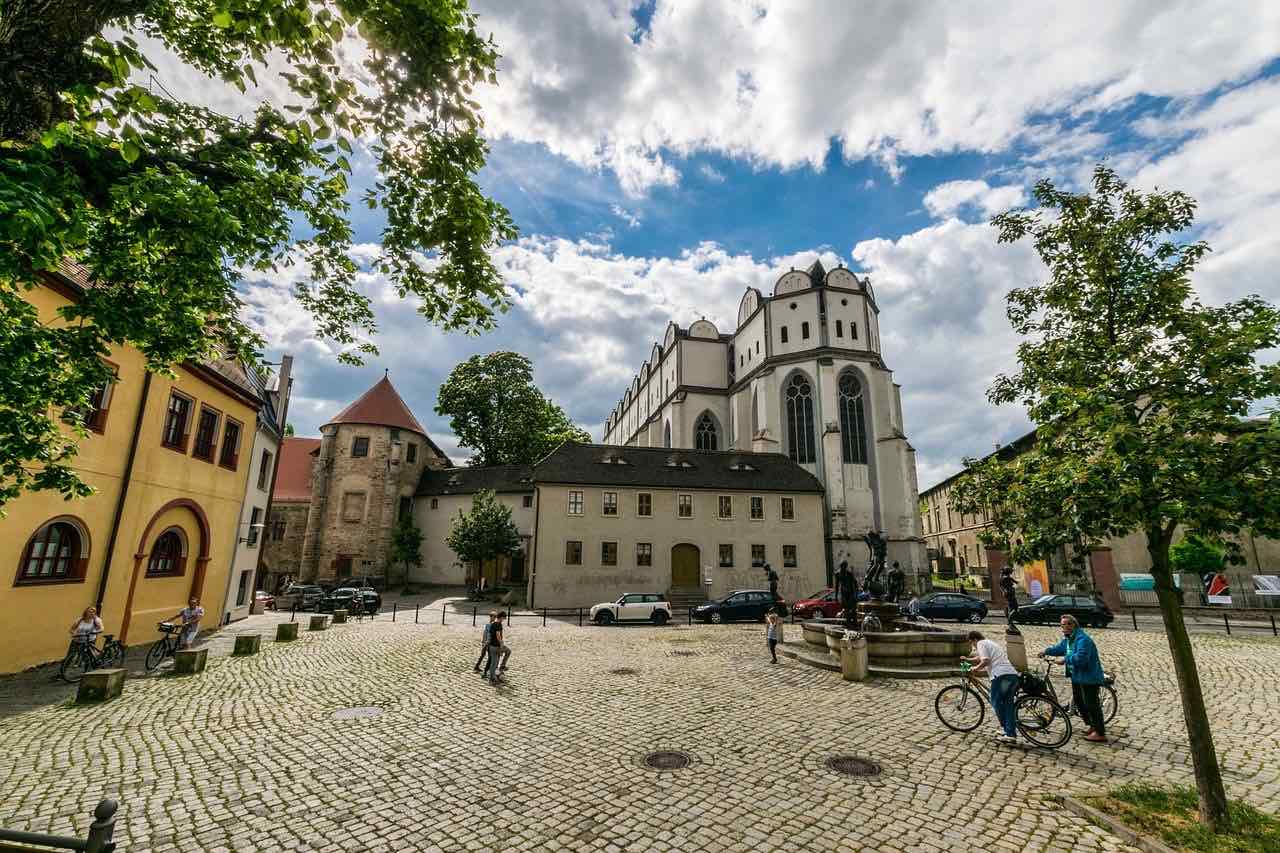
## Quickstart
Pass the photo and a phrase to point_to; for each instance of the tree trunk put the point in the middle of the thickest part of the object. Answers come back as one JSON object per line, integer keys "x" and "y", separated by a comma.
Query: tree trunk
{"x": 1204, "y": 757}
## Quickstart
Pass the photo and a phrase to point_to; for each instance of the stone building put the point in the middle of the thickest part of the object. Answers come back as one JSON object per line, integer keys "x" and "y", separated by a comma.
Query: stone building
{"x": 364, "y": 470}
{"x": 802, "y": 375}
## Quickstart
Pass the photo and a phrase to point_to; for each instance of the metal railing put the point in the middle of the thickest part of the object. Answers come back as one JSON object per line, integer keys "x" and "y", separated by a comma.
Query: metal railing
{"x": 98, "y": 840}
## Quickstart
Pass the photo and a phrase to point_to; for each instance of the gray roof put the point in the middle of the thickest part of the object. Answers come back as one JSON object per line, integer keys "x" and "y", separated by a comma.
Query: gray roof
{"x": 468, "y": 481}
{"x": 660, "y": 467}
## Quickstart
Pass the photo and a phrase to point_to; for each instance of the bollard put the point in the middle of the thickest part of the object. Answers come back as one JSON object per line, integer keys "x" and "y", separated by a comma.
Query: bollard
{"x": 340, "y": 616}
{"x": 474, "y": 611}
{"x": 1273, "y": 626}
{"x": 442, "y": 607}
{"x": 1228, "y": 624}
{"x": 294, "y": 615}
{"x": 579, "y": 617}
{"x": 853, "y": 659}
{"x": 508, "y": 615}
{"x": 100, "y": 685}
{"x": 1016, "y": 649}
{"x": 416, "y": 607}
{"x": 247, "y": 644}
{"x": 286, "y": 631}
{"x": 190, "y": 661}
{"x": 1134, "y": 614}
{"x": 102, "y": 829}
{"x": 544, "y": 617}
{"x": 319, "y": 622}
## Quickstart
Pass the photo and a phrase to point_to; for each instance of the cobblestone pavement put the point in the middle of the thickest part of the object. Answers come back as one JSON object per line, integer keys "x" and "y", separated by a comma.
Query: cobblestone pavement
{"x": 248, "y": 756}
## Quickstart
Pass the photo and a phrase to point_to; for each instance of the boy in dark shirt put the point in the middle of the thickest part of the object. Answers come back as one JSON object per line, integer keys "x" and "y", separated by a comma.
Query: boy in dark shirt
{"x": 498, "y": 652}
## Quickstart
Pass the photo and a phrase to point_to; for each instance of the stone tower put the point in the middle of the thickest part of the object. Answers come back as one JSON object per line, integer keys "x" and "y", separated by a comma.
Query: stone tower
{"x": 369, "y": 462}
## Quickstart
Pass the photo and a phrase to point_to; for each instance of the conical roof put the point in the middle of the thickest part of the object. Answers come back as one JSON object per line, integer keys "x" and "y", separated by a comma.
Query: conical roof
{"x": 380, "y": 406}
{"x": 818, "y": 273}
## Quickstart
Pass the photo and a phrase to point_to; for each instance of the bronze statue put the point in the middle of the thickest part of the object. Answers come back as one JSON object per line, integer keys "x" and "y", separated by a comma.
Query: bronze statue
{"x": 897, "y": 582}
{"x": 878, "y": 546}
{"x": 847, "y": 592}
{"x": 772, "y": 577}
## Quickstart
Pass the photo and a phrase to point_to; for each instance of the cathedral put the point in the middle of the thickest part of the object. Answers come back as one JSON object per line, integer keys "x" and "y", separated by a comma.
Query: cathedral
{"x": 801, "y": 374}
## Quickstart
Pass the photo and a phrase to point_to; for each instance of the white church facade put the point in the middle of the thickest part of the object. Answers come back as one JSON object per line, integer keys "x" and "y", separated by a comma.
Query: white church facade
{"x": 801, "y": 375}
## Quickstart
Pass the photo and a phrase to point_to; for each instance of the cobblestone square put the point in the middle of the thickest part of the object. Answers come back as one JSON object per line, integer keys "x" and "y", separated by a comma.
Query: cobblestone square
{"x": 249, "y": 755}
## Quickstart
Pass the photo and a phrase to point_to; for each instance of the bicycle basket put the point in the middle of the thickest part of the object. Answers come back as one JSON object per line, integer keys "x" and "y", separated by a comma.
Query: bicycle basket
{"x": 1031, "y": 685}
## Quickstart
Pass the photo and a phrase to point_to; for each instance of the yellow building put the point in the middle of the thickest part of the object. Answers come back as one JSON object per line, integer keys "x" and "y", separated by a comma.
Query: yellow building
{"x": 170, "y": 460}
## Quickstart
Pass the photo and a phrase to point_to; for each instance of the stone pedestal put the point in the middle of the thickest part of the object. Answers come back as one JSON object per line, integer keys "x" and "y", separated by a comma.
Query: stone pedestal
{"x": 286, "y": 631}
{"x": 190, "y": 661}
{"x": 248, "y": 644}
{"x": 885, "y": 611}
{"x": 319, "y": 623}
{"x": 853, "y": 660}
{"x": 100, "y": 685}
{"x": 339, "y": 617}
{"x": 1017, "y": 651}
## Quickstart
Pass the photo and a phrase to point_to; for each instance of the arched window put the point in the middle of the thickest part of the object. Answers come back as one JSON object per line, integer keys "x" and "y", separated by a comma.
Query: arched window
{"x": 853, "y": 422}
{"x": 54, "y": 553}
{"x": 755, "y": 413}
{"x": 666, "y": 435}
{"x": 705, "y": 434}
{"x": 168, "y": 554}
{"x": 799, "y": 399}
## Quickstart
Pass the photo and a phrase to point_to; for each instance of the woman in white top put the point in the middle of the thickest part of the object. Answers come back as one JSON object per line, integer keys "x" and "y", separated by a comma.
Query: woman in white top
{"x": 990, "y": 658}
{"x": 88, "y": 626}
{"x": 190, "y": 616}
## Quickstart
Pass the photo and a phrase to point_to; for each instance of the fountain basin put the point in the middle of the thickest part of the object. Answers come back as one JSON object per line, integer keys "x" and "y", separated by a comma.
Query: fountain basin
{"x": 925, "y": 651}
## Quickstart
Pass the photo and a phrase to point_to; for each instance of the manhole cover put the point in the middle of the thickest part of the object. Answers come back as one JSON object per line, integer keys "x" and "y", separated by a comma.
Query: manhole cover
{"x": 684, "y": 653}
{"x": 667, "y": 759}
{"x": 362, "y": 712}
{"x": 625, "y": 670}
{"x": 852, "y": 765}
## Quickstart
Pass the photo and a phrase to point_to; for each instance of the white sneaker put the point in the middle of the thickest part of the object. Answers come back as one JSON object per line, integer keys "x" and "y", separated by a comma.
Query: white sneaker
{"x": 1003, "y": 738}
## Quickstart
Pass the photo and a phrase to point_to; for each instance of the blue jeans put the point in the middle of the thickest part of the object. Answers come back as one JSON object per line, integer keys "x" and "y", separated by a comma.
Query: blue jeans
{"x": 1003, "y": 689}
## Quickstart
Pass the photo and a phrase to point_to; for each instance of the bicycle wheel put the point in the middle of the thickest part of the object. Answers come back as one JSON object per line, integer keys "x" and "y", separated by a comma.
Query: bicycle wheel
{"x": 959, "y": 707}
{"x": 1042, "y": 722}
{"x": 74, "y": 666}
{"x": 158, "y": 652}
{"x": 1110, "y": 703}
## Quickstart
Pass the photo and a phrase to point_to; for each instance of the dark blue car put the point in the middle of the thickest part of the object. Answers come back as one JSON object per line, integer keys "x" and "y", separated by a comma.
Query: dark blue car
{"x": 949, "y": 605}
{"x": 742, "y": 604}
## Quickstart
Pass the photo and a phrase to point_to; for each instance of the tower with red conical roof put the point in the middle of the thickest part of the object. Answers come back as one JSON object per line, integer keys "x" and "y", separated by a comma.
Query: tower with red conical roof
{"x": 370, "y": 459}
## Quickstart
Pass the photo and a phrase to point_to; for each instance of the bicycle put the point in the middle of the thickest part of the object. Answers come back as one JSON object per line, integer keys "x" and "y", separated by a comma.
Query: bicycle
{"x": 1106, "y": 693}
{"x": 1041, "y": 720}
{"x": 83, "y": 656}
{"x": 165, "y": 647}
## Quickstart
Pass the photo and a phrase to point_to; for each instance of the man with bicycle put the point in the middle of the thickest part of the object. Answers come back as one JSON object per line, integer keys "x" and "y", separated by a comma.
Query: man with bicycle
{"x": 988, "y": 657}
{"x": 1080, "y": 656}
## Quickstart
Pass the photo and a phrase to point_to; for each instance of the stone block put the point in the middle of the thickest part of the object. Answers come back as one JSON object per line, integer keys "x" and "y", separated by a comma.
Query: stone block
{"x": 286, "y": 631}
{"x": 319, "y": 623}
{"x": 100, "y": 685}
{"x": 853, "y": 660}
{"x": 190, "y": 661}
{"x": 248, "y": 644}
{"x": 1016, "y": 648}
{"x": 339, "y": 617}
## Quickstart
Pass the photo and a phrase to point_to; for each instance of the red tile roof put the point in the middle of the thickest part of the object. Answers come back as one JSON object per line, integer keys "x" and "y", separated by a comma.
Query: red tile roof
{"x": 380, "y": 406}
{"x": 293, "y": 480}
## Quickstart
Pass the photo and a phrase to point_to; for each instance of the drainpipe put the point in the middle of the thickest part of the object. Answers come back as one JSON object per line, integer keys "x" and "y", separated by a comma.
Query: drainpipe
{"x": 124, "y": 490}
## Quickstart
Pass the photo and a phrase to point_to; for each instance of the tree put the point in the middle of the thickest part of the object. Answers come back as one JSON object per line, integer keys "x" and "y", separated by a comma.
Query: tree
{"x": 497, "y": 411}
{"x": 168, "y": 203}
{"x": 406, "y": 545}
{"x": 485, "y": 533}
{"x": 1140, "y": 395}
{"x": 289, "y": 431}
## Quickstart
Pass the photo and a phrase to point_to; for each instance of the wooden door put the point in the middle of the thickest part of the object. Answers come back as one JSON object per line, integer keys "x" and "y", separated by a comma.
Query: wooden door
{"x": 684, "y": 567}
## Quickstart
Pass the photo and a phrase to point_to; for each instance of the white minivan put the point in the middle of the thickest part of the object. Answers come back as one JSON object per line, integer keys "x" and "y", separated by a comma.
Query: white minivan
{"x": 633, "y": 607}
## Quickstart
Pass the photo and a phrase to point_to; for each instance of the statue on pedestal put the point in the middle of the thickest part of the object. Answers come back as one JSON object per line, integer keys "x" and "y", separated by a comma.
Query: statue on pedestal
{"x": 897, "y": 582}
{"x": 772, "y": 577}
{"x": 847, "y": 592}
{"x": 879, "y": 547}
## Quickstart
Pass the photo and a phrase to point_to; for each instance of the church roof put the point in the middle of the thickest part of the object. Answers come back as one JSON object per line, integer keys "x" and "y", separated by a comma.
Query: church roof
{"x": 664, "y": 467}
{"x": 293, "y": 479}
{"x": 381, "y": 405}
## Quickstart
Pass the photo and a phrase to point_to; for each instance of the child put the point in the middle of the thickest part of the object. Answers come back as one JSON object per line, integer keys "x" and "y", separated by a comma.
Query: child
{"x": 773, "y": 631}
{"x": 484, "y": 643}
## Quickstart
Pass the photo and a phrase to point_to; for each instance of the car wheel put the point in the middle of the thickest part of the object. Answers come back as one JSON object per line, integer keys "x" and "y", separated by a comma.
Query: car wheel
{"x": 604, "y": 617}
{"x": 659, "y": 617}
{"x": 975, "y": 617}
{"x": 717, "y": 618}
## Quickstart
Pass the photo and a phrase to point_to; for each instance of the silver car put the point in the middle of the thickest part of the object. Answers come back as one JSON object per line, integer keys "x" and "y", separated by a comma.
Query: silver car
{"x": 302, "y": 596}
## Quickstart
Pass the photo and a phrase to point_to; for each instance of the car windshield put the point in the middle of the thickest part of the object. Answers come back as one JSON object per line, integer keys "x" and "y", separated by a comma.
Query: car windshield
{"x": 1044, "y": 599}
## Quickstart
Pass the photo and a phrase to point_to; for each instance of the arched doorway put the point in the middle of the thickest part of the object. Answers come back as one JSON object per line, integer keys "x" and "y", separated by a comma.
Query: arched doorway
{"x": 685, "y": 559}
{"x": 184, "y": 521}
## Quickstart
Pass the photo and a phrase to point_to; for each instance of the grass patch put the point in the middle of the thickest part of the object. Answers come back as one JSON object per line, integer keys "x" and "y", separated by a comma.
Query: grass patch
{"x": 1172, "y": 815}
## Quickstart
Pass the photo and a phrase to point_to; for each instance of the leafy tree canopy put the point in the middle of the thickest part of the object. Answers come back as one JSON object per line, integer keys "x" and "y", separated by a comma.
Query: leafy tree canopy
{"x": 1140, "y": 394}
{"x": 1197, "y": 555}
{"x": 166, "y": 201}
{"x": 406, "y": 544}
{"x": 497, "y": 411}
{"x": 484, "y": 533}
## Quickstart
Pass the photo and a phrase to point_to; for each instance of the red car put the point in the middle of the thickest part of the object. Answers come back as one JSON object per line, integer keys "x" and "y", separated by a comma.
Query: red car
{"x": 822, "y": 603}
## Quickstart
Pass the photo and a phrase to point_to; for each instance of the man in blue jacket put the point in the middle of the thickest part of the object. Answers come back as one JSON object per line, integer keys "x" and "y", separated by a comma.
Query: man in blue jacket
{"x": 1081, "y": 657}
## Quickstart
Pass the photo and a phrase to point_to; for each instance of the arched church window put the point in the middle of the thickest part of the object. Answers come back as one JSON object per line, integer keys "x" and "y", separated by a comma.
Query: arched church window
{"x": 666, "y": 435}
{"x": 704, "y": 433}
{"x": 799, "y": 398}
{"x": 853, "y": 423}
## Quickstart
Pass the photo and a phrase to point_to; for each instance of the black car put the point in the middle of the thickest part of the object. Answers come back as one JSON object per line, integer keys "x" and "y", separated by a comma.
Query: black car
{"x": 740, "y": 604}
{"x": 341, "y": 599}
{"x": 949, "y": 605}
{"x": 1048, "y": 609}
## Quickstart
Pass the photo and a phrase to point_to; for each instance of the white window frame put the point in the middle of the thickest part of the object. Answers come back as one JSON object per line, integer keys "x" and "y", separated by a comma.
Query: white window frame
{"x": 782, "y": 513}
{"x": 720, "y": 507}
{"x": 751, "y": 507}
{"x": 579, "y": 495}
{"x": 604, "y": 504}
{"x": 678, "y": 502}
{"x": 640, "y": 514}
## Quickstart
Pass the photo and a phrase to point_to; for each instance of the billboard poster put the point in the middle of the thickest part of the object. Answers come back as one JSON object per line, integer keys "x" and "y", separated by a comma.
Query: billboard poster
{"x": 1216, "y": 588}
{"x": 1035, "y": 578}
{"x": 1266, "y": 585}
{"x": 1143, "y": 582}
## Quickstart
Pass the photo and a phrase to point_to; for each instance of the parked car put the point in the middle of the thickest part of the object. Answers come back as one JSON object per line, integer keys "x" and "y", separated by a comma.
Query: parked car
{"x": 740, "y": 604}
{"x": 303, "y": 596}
{"x": 265, "y": 599}
{"x": 341, "y": 599}
{"x": 634, "y": 607}
{"x": 822, "y": 603}
{"x": 1048, "y": 609}
{"x": 948, "y": 605}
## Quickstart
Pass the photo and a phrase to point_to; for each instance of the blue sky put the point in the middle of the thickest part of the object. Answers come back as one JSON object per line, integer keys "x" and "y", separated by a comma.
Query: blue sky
{"x": 660, "y": 157}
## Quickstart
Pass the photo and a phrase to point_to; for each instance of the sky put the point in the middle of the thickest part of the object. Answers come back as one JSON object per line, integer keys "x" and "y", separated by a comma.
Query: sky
{"x": 661, "y": 157}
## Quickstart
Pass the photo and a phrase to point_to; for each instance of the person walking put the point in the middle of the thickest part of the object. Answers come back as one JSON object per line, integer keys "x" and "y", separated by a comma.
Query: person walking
{"x": 773, "y": 632}
{"x": 190, "y": 616}
{"x": 498, "y": 650}
{"x": 481, "y": 662}
{"x": 988, "y": 657}
{"x": 1080, "y": 656}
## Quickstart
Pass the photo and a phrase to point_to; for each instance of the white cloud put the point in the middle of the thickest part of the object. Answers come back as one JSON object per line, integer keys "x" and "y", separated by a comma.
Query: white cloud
{"x": 711, "y": 173}
{"x": 774, "y": 82}
{"x": 948, "y": 199}
{"x": 627, "y": 216}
